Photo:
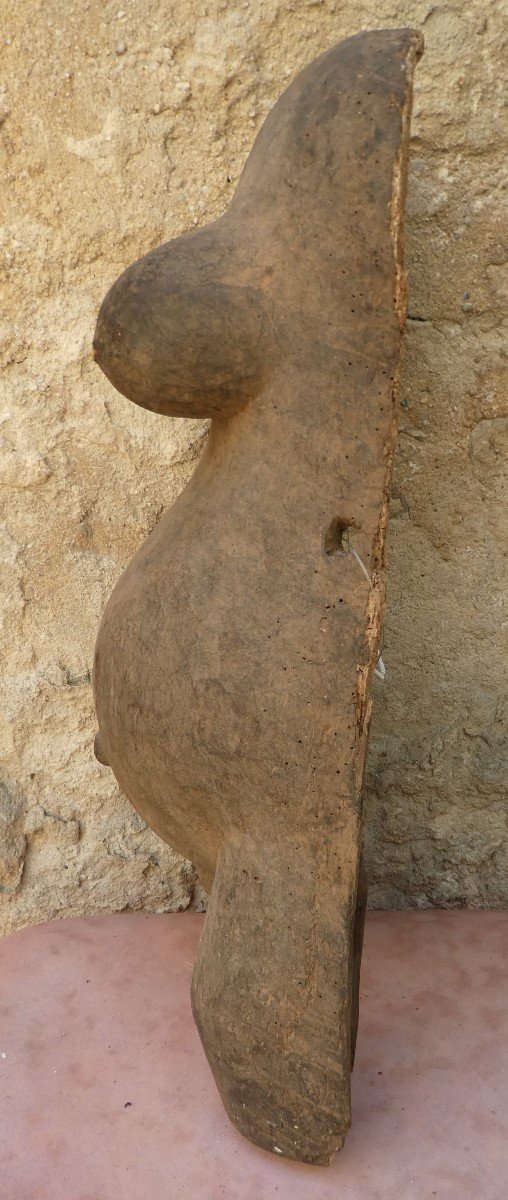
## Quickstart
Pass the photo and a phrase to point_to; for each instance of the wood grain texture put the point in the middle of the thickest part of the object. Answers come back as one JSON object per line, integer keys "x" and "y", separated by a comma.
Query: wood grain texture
{"x": 234, "y": 656}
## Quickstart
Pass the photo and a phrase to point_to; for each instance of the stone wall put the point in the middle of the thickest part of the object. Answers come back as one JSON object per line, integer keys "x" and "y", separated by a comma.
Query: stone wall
{"x": 120, "y": 128}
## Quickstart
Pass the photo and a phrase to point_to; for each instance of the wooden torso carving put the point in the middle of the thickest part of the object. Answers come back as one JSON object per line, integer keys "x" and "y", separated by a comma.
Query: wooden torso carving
{"x": 234, "y": 656}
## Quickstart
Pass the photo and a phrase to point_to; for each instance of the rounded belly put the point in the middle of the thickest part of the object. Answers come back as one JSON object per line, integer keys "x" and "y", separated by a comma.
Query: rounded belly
{"x": 217, "y": 672}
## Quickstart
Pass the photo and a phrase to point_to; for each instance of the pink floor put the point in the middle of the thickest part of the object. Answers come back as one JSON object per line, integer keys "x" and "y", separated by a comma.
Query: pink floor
{"x": 106, "y": 1094}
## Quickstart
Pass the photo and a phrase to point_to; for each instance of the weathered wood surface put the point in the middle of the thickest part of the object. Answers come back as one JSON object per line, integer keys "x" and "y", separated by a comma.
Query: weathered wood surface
{"x": 234, "y": 656}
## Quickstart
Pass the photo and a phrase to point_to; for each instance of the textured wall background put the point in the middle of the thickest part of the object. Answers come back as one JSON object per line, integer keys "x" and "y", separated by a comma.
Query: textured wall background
{"x": 121, "y": 128}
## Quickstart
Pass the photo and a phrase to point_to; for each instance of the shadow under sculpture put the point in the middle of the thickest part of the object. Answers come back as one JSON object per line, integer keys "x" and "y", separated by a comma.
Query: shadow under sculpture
{"x": 234, "y": 656}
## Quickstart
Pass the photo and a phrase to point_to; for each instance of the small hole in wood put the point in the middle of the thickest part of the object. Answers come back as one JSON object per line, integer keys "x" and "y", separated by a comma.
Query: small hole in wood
{"x": 337, "y": 536}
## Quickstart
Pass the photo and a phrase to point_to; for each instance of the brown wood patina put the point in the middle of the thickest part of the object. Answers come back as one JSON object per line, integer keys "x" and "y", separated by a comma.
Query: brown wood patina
{"x": 234, "y": 656}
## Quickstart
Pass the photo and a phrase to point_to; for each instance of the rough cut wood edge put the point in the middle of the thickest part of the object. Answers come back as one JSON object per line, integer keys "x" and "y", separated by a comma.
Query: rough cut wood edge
{"x": 377, "y": 599}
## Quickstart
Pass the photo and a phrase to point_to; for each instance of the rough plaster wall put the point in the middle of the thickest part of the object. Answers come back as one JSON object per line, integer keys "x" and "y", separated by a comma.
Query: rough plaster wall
{"x": 120, "y": 129}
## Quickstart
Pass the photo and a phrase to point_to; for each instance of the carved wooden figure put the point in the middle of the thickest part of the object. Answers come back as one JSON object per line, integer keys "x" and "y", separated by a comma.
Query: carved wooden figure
{"x": 234, "y": 656}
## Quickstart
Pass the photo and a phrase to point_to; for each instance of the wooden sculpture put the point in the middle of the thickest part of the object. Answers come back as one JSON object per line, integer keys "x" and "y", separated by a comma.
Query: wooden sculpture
{"x": 234, "y": 656}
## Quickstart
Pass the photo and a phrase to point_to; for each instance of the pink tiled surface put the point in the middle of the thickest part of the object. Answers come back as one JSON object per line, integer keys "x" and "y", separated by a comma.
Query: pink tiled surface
{"x": 105, "y": 1093}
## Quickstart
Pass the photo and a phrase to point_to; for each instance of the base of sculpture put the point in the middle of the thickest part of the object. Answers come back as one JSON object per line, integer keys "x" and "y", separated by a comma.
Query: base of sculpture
{"x": 278, "y": 1023}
